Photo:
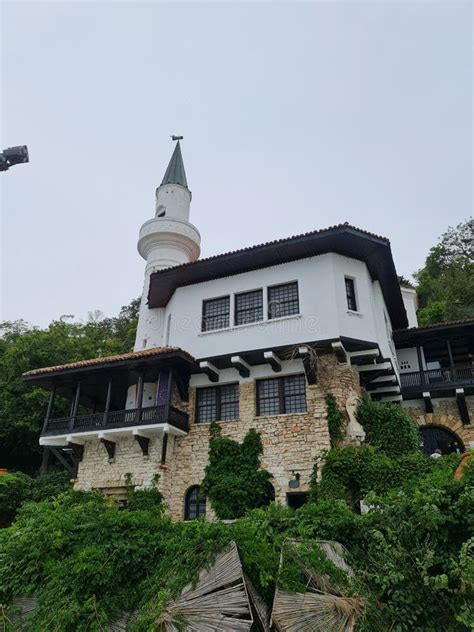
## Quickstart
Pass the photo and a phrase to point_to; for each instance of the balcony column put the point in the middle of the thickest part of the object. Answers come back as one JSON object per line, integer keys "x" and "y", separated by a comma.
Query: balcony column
{"x": 451, "y": 360}
{"x": 420, "y": 365}
{"x": 75, "y": 406}
{"x": 49, "y": 409}
{"x": 141, "y": 385}
{"x": 107, "y": 402}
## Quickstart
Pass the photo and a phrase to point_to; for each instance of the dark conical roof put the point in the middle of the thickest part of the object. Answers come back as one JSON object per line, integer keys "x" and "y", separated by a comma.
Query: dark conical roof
{"x": 175, "y": 173}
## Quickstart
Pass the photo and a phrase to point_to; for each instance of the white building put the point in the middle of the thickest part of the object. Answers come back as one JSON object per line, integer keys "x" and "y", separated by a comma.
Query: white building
{"x": 253, "y": 338}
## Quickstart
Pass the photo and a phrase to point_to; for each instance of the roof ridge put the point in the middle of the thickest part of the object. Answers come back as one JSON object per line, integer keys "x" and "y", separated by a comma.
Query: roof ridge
{"x": 106, "y": 359}
{"x": 275, "y": 242}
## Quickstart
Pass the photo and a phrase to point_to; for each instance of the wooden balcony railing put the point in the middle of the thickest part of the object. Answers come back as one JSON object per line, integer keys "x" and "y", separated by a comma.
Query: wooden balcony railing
{"x": 118, "y": 419}
{"x": 433, "y": 379}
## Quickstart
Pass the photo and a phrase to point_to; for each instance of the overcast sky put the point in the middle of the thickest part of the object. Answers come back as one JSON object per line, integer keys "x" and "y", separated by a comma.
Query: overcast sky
{"x": 295, "y": 117}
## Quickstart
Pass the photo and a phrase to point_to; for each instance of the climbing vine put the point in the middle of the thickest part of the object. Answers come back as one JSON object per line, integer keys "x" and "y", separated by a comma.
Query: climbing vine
{"x": 388, "y": 427}
{"x": 336, "y": 421}
{"x": 234, "y": 482}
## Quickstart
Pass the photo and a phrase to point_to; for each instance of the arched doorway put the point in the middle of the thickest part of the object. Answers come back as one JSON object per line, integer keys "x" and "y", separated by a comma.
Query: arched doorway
{"x": 194, "y": 504}
{"x": 437, "y": 437}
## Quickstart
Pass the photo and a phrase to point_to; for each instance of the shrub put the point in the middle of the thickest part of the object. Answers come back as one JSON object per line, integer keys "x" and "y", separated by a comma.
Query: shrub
{"x": 350, "y": 473}
{"x": 234, "y": 481}
{"x": 388, "y": 427}
{"x": 14, "y": 490}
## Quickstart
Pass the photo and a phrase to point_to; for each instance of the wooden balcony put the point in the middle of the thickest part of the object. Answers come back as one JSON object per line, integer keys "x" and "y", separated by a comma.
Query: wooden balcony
{"x": 439, "y": 382}
{"x": 115, "y": 419}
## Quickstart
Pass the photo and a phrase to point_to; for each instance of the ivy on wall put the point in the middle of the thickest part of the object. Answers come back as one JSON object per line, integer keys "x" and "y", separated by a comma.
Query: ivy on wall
{"x": 336, "y": 422}
{"x": 234, "y": 482}
{"x": 388, "y": 427}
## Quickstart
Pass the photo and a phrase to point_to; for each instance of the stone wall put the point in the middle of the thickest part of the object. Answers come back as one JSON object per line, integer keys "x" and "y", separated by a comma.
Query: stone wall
{"x": 445, "y": 415}
{"x": 290, "y": 443}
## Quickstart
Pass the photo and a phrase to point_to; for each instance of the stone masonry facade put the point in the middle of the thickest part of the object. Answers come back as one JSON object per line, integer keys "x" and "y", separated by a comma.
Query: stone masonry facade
{"x": 291, "y": 443}
{"x": 445, "y": 415}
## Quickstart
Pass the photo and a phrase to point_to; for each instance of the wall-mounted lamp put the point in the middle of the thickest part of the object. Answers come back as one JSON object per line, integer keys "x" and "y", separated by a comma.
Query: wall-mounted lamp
{"x": 294, "y": 483}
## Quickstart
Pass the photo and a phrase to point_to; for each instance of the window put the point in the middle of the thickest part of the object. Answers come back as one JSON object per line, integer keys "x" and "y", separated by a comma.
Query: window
{"x": 248, "y": 307}
{"x": 283, "y": 300}
{"x": 350, "y": 294}
{"x": 281, "y": 395}
{"x": 194, "y": 505}
{"x": 216, "y": 313}
{"x": 217, "y": 403}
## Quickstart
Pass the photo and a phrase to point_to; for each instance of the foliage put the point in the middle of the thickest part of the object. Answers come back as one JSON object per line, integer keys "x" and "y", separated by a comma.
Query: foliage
{"x": 350, "y": 473}
{"x": 336, "y": 421}
{"x": 234, "y": 480}
{"x": 16, "y": 488}
{"x": 388, "y": 427}
{"x": 150, "y": 499}
{"x": 23, "y": 348}
{"x": 87, "y": 561}
{"x": 446, "y": 282}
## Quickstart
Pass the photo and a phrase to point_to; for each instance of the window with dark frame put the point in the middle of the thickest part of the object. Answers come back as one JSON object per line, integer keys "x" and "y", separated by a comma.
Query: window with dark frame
{"x": 248, "y": 307}
{"x": 350, "y": 294}
{"x": 217, "y": 403}
{"x": 194, "y": 504}
{"x": 283, "y": 300}
{"x": 281, "y": 395}
{"x": 216, "y": 313}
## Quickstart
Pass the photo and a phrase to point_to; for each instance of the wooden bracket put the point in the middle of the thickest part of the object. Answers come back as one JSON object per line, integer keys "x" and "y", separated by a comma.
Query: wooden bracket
{"x": 242, "y": 367}
{"x": 77, "y": 451}
{"x": 309, "y": 364}
{"x": 210, "y": 370}
{"x": 273, "y": 360}
{"x": 143, "y": 442}
{"x": 109, "y": 446}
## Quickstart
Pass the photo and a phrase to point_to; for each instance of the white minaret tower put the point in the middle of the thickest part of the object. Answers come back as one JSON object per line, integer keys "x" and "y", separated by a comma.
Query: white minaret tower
{"x": 169, "y": 239}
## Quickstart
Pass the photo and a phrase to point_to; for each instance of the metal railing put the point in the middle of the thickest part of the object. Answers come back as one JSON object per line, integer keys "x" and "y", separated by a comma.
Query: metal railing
{"x": 434, "y": 378}
{"x": 119, "y": 419}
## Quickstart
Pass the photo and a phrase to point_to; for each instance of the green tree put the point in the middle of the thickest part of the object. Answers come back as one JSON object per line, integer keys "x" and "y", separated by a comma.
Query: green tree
{"x": 445, "y": 285}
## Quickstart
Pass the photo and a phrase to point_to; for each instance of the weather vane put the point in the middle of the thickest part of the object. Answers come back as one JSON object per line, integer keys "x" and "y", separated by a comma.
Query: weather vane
{"x": 173, "y": 137}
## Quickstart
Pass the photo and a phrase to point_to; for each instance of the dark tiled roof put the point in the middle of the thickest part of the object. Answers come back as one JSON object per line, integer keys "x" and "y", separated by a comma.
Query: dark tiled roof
{"x": 342, "y": 239}
{"x": 275, "y": 242}
{"x": 134, "y": 355}
{"x": 448, "y": 323}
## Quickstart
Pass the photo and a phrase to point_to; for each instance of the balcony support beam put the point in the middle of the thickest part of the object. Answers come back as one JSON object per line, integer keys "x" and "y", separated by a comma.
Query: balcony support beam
{"x": 75, "y": 406}
{"x": 421, "y": 368}
{"x": 210, "y": 370}
{"x": 107, "y": 402}
{"x": 462, "y": 406}
{"x": 50, "y": 408}
{"x": 428, "y": 402}
{"x": 140, "y": 387}
{"x": 164, "y": 448}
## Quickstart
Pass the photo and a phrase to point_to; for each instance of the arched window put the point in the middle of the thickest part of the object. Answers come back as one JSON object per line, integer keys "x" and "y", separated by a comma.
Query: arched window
{"x": 194, "y": 504}
{"x": 438, "y": 438}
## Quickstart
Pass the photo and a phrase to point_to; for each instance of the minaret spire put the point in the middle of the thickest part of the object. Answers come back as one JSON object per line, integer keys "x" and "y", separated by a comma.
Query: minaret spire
{"x": 175, "y": 173}
{"x": 168, "y": 239}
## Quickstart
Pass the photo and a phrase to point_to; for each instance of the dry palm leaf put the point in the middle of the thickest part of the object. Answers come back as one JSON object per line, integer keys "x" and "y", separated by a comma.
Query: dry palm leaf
{"x": 323, "y": 608}
{"x": 314, "y": 612}
{"x": 218, "y": 603}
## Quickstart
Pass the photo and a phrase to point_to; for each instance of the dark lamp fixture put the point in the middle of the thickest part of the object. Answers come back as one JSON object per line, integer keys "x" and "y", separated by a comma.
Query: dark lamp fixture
{"x": 294, "y": 483}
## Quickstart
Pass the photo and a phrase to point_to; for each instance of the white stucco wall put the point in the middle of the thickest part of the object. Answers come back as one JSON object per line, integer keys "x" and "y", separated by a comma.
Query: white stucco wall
{"x": 323, "y": 310}
{"x": 410, "y": 300}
